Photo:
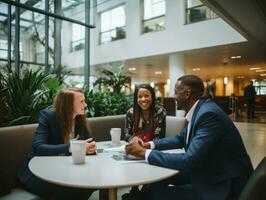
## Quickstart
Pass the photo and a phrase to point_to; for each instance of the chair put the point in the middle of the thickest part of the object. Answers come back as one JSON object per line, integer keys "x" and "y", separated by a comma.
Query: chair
{"x": 174, "y": 125}
{"x": 256, "y": 184}
{"x": 180, "y": 113}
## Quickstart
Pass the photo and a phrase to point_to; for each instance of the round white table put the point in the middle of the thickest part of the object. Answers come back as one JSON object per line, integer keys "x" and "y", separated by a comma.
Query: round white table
{"x": 100, "y": 171}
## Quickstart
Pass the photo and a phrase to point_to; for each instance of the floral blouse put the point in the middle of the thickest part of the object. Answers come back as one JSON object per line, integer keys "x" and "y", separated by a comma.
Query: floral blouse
{"x": 159, "y": 124}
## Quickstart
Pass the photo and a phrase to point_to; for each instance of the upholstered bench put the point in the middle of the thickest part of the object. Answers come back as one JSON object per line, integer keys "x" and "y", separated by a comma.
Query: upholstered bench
{"x": 15, "y": 143}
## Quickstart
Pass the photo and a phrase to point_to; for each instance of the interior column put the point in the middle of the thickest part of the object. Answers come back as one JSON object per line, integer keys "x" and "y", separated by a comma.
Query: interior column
{"x": 176, "y": 69}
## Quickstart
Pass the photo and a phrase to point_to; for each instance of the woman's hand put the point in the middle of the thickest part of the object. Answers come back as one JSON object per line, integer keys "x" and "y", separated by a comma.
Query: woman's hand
{"x": 90, "y": 146}
{"x": 135, "y": 139}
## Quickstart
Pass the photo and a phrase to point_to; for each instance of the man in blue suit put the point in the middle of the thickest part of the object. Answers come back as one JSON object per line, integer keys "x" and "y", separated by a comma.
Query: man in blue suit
{"x": 215, "y": 165}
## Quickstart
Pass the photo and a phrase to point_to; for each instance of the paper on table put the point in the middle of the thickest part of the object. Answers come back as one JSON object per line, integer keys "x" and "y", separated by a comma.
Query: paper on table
{"x": 115, "y": 149}
{"x": 124, "y": 157}
{"x": 119, "y": 154}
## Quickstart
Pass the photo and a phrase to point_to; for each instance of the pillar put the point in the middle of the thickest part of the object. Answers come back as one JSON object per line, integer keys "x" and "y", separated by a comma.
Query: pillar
{"x": 176, "y": 69}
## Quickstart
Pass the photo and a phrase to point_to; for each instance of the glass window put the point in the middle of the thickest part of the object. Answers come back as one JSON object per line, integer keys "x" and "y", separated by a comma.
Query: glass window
{"x": 3, "y": 32}
{"x": 32, "y": 34}
{"x": 196, "y": 11}
{"x": 153, "y": 8}
{"x": 113, "y": 24}
{"x": 260, "y": 87}
{"x": 78, "y": 37}
{"x": 154, "y": 16}
{"x": 4, "y": 49}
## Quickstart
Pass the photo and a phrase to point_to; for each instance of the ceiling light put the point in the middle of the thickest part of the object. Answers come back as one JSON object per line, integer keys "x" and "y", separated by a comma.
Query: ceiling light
{"x": 225, "y": 80}
{"x": 196, "y": 69}
{"x": 158, "y": 72}
{"x": 254, "y": 68}
{"x": 132, "y": 69}
{"x": 261, "y": 70}
{"x": 236, "y": 57}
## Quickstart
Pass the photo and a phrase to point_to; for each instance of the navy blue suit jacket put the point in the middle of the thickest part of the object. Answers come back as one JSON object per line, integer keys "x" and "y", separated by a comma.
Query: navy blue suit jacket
{"x": 215, "y": 151}
{"x": 47, "y": 142}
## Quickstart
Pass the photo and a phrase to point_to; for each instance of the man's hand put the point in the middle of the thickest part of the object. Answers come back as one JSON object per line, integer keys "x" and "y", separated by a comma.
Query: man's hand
{"x": 145, "y": 145}
{"x": 135, "y": 148}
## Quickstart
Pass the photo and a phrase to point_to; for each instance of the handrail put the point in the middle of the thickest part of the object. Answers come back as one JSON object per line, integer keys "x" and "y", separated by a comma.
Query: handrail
{"x": 152, "y": 18}
{"x": 110, "y": 30}
{"x": 196, "y": 7}
{"x": 206, "y": 14}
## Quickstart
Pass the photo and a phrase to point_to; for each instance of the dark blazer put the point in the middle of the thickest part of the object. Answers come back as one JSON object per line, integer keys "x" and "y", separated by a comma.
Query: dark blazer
{"x": 47, "y": 142}
{"x": 249, "y": 92}
{"x": 215, "y": 152}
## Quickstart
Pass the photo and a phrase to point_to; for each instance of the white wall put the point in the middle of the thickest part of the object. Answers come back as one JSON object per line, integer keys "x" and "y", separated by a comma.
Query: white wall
{"x": 70, "y": 59}
{"x": 177, "y": 36}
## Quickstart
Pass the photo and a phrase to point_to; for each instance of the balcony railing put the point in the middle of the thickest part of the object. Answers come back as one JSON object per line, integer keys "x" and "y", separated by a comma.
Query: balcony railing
{"x": 4, "y": 53}
{"x": 199, "y": 13}
{"x": 78, "y": 44}
{"x": 117, "y": 33}
{"x": 153, "y": 24}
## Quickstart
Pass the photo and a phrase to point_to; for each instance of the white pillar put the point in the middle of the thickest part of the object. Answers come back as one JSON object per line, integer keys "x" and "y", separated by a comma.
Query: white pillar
{"x": 176, "y": 69}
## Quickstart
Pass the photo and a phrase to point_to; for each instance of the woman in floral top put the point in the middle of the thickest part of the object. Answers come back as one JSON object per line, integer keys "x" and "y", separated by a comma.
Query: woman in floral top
{"x": 146, "y": 119}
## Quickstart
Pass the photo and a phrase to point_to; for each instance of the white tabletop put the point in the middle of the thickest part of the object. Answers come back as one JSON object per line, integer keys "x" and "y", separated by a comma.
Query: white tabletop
{"x": 99, "y": 171}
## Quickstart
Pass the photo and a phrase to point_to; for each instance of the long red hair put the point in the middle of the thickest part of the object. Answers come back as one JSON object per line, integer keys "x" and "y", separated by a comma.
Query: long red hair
{"x": 64, "y": 108}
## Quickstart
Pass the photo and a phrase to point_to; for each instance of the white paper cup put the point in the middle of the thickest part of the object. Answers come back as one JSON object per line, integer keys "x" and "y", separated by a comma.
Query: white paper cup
{"x": 78, "y": 148}
{"x": 115, "y": 135}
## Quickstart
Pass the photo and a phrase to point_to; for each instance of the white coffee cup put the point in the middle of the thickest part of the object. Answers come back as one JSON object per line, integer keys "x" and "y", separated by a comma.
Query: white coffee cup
{"x": 78, "y": 149}
{"x": 115, "y": 135}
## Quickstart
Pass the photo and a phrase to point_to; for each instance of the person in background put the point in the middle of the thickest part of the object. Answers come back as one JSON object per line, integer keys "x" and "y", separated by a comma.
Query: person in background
{"x": 215, "y": 164}
{"x": 249, "y": 94}
{"x": 57, "y": 126}
{"x": 210, "y": 89}
{"x": 146, "y": 120}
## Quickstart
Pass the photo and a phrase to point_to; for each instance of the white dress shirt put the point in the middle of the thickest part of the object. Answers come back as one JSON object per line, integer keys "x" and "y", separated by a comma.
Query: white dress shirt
{"x": 188, "y": 118}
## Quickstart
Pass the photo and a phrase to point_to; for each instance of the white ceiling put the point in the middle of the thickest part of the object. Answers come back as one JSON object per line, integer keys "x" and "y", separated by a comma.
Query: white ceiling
{"x": 247, "y": 17}
{"x": 213, "y": 62}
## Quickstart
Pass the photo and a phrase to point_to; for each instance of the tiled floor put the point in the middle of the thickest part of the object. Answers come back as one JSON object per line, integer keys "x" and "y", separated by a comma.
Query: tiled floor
{"x": 253, "y": 132}
{"x": 260, "y": 117}
{"x": 95, "y": 195}
{"x": 254, "y": 137}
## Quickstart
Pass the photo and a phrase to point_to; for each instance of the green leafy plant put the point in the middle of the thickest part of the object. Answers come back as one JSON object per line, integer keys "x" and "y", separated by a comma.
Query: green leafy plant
{"x": 110, "y": 103}
{"x": 113, "y": 80}
{"x": 25, "y": 93}
{"x": 120, "y": 33}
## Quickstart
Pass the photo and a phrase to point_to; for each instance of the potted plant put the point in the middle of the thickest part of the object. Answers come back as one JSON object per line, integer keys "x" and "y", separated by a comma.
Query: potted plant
{"x": 25, "y": 93}
{"x": 113, "y": 80}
